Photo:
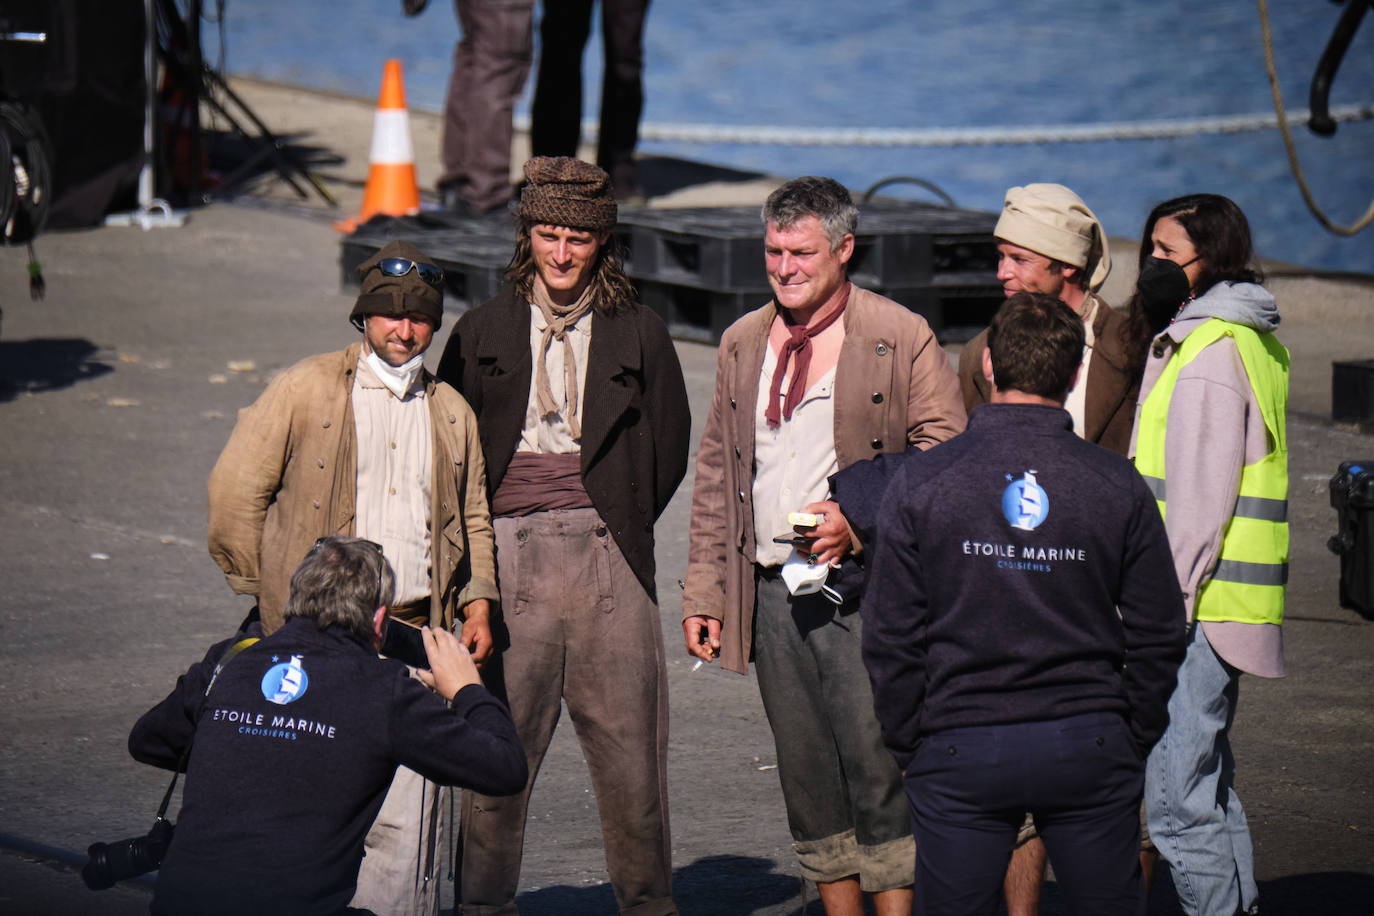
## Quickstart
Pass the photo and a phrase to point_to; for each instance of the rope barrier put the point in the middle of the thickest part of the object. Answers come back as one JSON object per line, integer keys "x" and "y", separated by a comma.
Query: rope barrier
{"x": 972, "y": 136}
{"x": 1288, "y": 144}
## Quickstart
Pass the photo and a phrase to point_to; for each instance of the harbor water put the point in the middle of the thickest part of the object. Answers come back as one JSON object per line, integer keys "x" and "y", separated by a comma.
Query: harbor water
{"x": 995, "y": 65}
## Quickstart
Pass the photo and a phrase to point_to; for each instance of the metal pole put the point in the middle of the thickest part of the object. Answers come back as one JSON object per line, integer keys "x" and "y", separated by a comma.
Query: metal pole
{"x": 152, "y": 212}
{"x": 145, "y": 175}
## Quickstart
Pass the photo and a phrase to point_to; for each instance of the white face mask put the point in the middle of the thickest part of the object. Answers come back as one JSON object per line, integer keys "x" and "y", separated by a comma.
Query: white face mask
{"x": 399, "y": 379}
{"x": 802, "y": 577}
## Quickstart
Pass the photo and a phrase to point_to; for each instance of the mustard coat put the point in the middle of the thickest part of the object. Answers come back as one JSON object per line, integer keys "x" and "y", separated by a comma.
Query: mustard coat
{"x": 289, "y": 476}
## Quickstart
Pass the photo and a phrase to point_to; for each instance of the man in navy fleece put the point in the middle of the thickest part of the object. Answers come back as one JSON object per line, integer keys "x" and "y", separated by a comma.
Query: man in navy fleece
{"x": 1022, "y": 631}
{"x": 294, "y": 739}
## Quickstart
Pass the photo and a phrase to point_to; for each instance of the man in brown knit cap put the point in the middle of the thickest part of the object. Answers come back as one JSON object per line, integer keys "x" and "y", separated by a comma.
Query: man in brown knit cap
{"x": 583, "y": 417}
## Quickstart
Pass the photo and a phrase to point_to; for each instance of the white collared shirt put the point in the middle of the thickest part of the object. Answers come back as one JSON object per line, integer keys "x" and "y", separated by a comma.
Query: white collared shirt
{"x": 792, "y": 462}
{"x": 393, "y": 483}
{"x": 1077, "y": 401}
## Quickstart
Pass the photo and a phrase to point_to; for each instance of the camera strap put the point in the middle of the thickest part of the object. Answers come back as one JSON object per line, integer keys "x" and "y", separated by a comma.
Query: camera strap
{"x": 228, "y": 656}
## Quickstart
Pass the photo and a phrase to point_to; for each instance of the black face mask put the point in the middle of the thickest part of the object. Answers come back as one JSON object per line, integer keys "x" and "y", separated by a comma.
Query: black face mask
{"x": 1163, "y": 286}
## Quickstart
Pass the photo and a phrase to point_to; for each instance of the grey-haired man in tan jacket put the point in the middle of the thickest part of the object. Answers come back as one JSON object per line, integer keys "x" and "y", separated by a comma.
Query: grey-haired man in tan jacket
{"x": 825, "y": 375}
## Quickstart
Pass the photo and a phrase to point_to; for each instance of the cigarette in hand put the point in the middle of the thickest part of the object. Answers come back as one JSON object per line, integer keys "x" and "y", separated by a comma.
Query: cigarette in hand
{"x": 701, "y": 661}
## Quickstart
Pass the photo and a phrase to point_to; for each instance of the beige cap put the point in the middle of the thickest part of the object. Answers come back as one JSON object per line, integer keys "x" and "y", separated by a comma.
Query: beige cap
{"x": 1052, "y": 220}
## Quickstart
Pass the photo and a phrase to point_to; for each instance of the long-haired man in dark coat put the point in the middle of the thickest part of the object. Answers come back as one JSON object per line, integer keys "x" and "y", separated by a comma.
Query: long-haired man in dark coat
{"x": 582, "y": 412}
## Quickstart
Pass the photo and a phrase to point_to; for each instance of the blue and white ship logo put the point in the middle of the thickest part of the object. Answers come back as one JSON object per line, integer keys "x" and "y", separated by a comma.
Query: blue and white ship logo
{"x": 1025, "y": 503}
{"x": 285, "y": 682}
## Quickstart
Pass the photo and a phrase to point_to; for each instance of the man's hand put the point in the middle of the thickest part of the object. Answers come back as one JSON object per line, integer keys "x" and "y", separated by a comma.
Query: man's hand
{"x": 703, "y": 637}
{"x": 450, "y": 664}
{"x": 476, "y": 635}
{"x": 832, "y": 537}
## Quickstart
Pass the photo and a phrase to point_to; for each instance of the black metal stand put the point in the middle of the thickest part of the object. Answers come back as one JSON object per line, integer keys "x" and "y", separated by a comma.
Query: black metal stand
{"x": 179, "y": 49}
{"x": 1320, "y": 121}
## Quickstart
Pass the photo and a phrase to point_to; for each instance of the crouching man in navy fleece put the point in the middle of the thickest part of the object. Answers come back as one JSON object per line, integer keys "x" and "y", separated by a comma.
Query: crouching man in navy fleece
{"x": 294, "y": 739}
{"x": 1022, "y": 630}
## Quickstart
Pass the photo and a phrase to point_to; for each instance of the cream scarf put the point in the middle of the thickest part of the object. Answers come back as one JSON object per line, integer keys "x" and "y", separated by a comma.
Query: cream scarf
{"x": 559, "y": 320}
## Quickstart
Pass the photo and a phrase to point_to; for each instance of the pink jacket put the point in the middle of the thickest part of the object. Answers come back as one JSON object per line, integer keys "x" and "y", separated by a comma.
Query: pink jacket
{"x": 1214, "y": 428}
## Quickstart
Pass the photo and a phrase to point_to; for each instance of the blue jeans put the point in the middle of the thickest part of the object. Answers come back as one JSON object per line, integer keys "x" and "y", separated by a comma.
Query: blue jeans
{"x": 1195, "y": 818}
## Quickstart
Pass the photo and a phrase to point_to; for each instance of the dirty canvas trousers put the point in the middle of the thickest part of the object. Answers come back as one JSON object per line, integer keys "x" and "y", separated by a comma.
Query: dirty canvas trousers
{"x": 582, "y": 630}
{"x": 402, "y": 866}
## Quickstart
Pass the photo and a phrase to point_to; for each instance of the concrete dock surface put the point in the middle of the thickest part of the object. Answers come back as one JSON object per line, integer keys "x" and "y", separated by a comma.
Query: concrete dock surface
{"x": 118, "y": 391}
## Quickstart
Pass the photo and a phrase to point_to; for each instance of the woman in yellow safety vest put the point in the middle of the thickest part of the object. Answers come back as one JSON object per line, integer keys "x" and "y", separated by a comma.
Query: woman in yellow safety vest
{"x": 1210, "y": 440}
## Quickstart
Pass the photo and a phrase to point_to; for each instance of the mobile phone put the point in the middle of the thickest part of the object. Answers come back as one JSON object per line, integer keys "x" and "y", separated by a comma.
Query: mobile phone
{"x": 404, "y": 642}
{"x": 799, "y": 541}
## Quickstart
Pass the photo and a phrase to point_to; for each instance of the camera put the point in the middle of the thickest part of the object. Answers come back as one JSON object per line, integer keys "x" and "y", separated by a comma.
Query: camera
{"x": 111, "y": 862}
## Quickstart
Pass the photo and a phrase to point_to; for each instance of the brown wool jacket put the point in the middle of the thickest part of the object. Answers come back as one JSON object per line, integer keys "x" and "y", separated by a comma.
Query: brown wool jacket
{"x": 894, "y": 387}
{"x": 288, "y": 476}
{"x": 1109, "y": 407}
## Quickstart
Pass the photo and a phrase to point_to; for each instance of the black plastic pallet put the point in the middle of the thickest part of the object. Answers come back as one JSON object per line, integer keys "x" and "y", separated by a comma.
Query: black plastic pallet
{"x": 955, "y": 311}
{"x": 721, "y": 248}
{"x": 702, "y": 268}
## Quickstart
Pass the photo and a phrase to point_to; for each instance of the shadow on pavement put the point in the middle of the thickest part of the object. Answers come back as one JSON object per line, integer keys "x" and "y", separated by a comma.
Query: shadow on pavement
{"x": 713, "y": 886}
{"x": 1320, "y": 894}
{"x": 46, "y": 364}
{"x": 1331, "y": 893}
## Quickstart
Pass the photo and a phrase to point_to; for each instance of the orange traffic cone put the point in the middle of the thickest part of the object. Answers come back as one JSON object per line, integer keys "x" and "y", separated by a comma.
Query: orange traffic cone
{"x": 391, "y": 186}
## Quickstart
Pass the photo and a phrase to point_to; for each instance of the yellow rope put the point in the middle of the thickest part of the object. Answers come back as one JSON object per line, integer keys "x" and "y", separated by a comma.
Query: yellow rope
{"x": 1363, "y": 221}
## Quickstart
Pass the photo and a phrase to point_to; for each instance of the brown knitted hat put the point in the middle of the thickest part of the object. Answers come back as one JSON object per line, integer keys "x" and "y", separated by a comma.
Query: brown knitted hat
{"x": 562, "y": 191}
{"x": 386, "y": 295}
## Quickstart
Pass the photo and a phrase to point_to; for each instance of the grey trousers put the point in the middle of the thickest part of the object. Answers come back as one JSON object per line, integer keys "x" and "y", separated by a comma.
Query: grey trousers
{"x": 490, "y": 64}
{"x": 581, "y": 630}
{"x": 843, "y": 791}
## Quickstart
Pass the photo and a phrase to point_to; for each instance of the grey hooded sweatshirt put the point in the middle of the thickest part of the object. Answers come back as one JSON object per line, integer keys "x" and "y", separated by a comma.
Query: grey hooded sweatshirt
{"x": 1214, "y": 429}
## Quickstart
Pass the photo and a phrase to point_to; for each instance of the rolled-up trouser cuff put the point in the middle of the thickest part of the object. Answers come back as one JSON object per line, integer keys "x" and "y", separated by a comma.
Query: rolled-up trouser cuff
{"x": 883, "y": 867}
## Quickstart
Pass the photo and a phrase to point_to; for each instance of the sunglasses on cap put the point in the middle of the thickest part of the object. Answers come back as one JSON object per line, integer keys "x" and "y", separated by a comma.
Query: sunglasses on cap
{"x": 399, "y": 267}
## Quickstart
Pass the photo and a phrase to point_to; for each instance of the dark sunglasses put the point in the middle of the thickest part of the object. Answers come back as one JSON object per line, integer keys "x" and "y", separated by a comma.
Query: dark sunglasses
{"x": 380, "y": 557}
{"x": 399, "y": 267}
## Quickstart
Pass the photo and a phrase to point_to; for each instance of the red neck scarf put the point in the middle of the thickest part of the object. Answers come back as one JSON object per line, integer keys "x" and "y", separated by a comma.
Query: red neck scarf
{"x": 797, "y": 350}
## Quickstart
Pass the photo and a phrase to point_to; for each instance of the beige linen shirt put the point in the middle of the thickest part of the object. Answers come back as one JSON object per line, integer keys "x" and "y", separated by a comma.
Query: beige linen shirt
{"x": 393, "y": 495}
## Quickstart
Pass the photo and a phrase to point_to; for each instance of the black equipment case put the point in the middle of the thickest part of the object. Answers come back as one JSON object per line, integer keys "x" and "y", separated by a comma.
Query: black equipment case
{"x": 1352, "y": 496}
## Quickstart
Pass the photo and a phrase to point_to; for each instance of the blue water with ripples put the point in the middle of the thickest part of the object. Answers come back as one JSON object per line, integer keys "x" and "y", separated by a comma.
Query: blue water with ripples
{"x": 938, "y": 64}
